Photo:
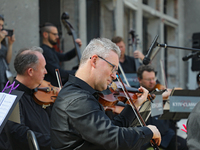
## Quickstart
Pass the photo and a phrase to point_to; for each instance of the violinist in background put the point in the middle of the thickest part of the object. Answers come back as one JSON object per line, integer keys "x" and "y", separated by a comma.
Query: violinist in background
{"x": 78, "y": 120}
{"x": 49, "y": 33}
{"x": 147, "y": 78}
{"x": 30, "y": 67}
{"x": 127, "y": 62}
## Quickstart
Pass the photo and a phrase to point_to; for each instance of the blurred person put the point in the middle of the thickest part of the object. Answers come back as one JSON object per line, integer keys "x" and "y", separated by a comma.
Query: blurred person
{"x": 193, "y": 136}
{"x": 147, "y": 78}
{"x": 5, "y": 52}
{"x": 193, "y": 126}
{"x": 127, "y": 62}
{"x": 30, "y": 67}
{"x": 78, "y": 120}
{"x": 53, "y": 58}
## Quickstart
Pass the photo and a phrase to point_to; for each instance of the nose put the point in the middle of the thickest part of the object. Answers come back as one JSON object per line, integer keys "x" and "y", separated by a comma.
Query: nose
{"x": 114, "y": 76}
{"x": 45, "y": 71}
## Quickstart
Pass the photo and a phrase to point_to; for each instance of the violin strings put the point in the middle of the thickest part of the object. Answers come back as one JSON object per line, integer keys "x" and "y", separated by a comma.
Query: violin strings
{"x": 129, "y": 102}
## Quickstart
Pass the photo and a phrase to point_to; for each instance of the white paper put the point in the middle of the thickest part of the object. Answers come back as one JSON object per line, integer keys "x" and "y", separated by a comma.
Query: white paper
{"x": 6, "y": 102}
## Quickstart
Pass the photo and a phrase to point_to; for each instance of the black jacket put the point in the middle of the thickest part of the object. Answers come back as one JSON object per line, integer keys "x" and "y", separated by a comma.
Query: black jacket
{"x": 33, "y": 117}
{"x": 78, "y": 121}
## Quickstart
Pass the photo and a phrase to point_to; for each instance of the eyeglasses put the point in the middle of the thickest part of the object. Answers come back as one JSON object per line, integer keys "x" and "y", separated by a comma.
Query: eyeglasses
{"x": 149, "y": 80}
{"x": 114, "y": 69}
{"x": 55, "y": 34}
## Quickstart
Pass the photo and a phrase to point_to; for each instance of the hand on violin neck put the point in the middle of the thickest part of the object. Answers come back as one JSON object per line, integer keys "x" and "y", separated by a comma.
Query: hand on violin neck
{"x": 142, "y": 97}
{"x": 166, "y": 94}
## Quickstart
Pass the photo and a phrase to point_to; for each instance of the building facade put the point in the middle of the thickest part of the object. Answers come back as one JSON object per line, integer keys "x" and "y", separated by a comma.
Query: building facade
{"x": 173, "y": 21}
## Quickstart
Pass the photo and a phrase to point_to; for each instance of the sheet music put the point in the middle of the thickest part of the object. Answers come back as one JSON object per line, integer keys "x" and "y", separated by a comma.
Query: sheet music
{"x": 6, "y": 102}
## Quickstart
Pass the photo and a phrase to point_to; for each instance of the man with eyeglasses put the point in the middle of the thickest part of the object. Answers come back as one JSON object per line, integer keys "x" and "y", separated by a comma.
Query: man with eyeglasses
{"x": 53, "y": 58}
{"x": 78, "y": 120}
{"x": 147, "y": 78}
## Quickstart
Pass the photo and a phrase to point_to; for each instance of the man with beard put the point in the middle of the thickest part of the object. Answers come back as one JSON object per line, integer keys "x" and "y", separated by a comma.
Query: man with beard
{"x": 49, "y": 34}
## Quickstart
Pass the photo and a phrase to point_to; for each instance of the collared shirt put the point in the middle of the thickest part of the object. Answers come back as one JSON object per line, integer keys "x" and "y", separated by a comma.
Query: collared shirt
{"x": 78, "y": 121}
{"x": 33, "y": 117}
{"x": 53, "y": 60}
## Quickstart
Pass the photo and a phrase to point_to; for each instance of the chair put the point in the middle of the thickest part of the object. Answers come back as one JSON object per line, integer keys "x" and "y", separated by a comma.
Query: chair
{"x": 32, "y": 141}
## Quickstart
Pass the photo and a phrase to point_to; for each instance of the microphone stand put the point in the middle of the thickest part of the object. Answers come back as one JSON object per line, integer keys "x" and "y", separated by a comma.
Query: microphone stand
{"x": 184, "y": 48}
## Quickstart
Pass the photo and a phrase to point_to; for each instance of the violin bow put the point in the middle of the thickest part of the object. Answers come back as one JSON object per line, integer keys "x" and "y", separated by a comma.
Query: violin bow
{"x": 139, "y": 117}
{"x": 163, "y": 73}
{"x": 58, "y": 78}
{"x": 122, "y": 71}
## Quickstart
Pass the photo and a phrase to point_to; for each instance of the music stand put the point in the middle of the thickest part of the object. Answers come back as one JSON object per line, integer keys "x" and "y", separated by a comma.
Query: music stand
{"x": 180, "y": 104}
{"x": 10, "y": 106}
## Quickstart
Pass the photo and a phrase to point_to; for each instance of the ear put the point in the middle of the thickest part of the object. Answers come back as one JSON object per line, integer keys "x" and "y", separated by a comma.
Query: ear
{"x": 30, "y": 71}
{"x": 45, "y": 34}
{"x": 139, "y": 79}
{"x": 93, "y": 60}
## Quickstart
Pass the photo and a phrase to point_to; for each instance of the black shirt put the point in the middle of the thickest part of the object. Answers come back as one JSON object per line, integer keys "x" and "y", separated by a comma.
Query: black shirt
{"x": 128, "y": 65}
{"x": 33, "y": 117}
{"x": 78, "y": 121}
{"x": 53, "y": 60}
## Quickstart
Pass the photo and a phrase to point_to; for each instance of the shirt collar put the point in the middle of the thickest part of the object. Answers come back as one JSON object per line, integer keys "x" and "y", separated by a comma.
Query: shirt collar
{"x": 24, "y": 88}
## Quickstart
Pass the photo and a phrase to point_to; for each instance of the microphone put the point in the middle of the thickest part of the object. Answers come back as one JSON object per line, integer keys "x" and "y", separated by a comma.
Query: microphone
{"x": 191, "y": 55}
{"x": 147, "y": 59}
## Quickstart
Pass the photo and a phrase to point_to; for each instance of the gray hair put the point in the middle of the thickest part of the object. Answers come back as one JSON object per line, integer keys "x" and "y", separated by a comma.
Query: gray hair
{"x": 101, "y": 47}
{"x": 26, "y": 58}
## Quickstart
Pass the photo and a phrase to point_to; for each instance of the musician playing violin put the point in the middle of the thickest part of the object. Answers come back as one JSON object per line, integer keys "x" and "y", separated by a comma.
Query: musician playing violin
{"x": 30, "y": 67}
{"x": 78, "y": 120}
{"x": 53, "y": 58}
{"x": 147, "y": 78}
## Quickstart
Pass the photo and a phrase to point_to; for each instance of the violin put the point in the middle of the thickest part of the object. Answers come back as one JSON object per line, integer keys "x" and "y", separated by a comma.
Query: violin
{"x": 110, "y": 101}
{"x": 45, "y": 94}
{"x": 159, "y": 86}
{"x": 115, "y": 109}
